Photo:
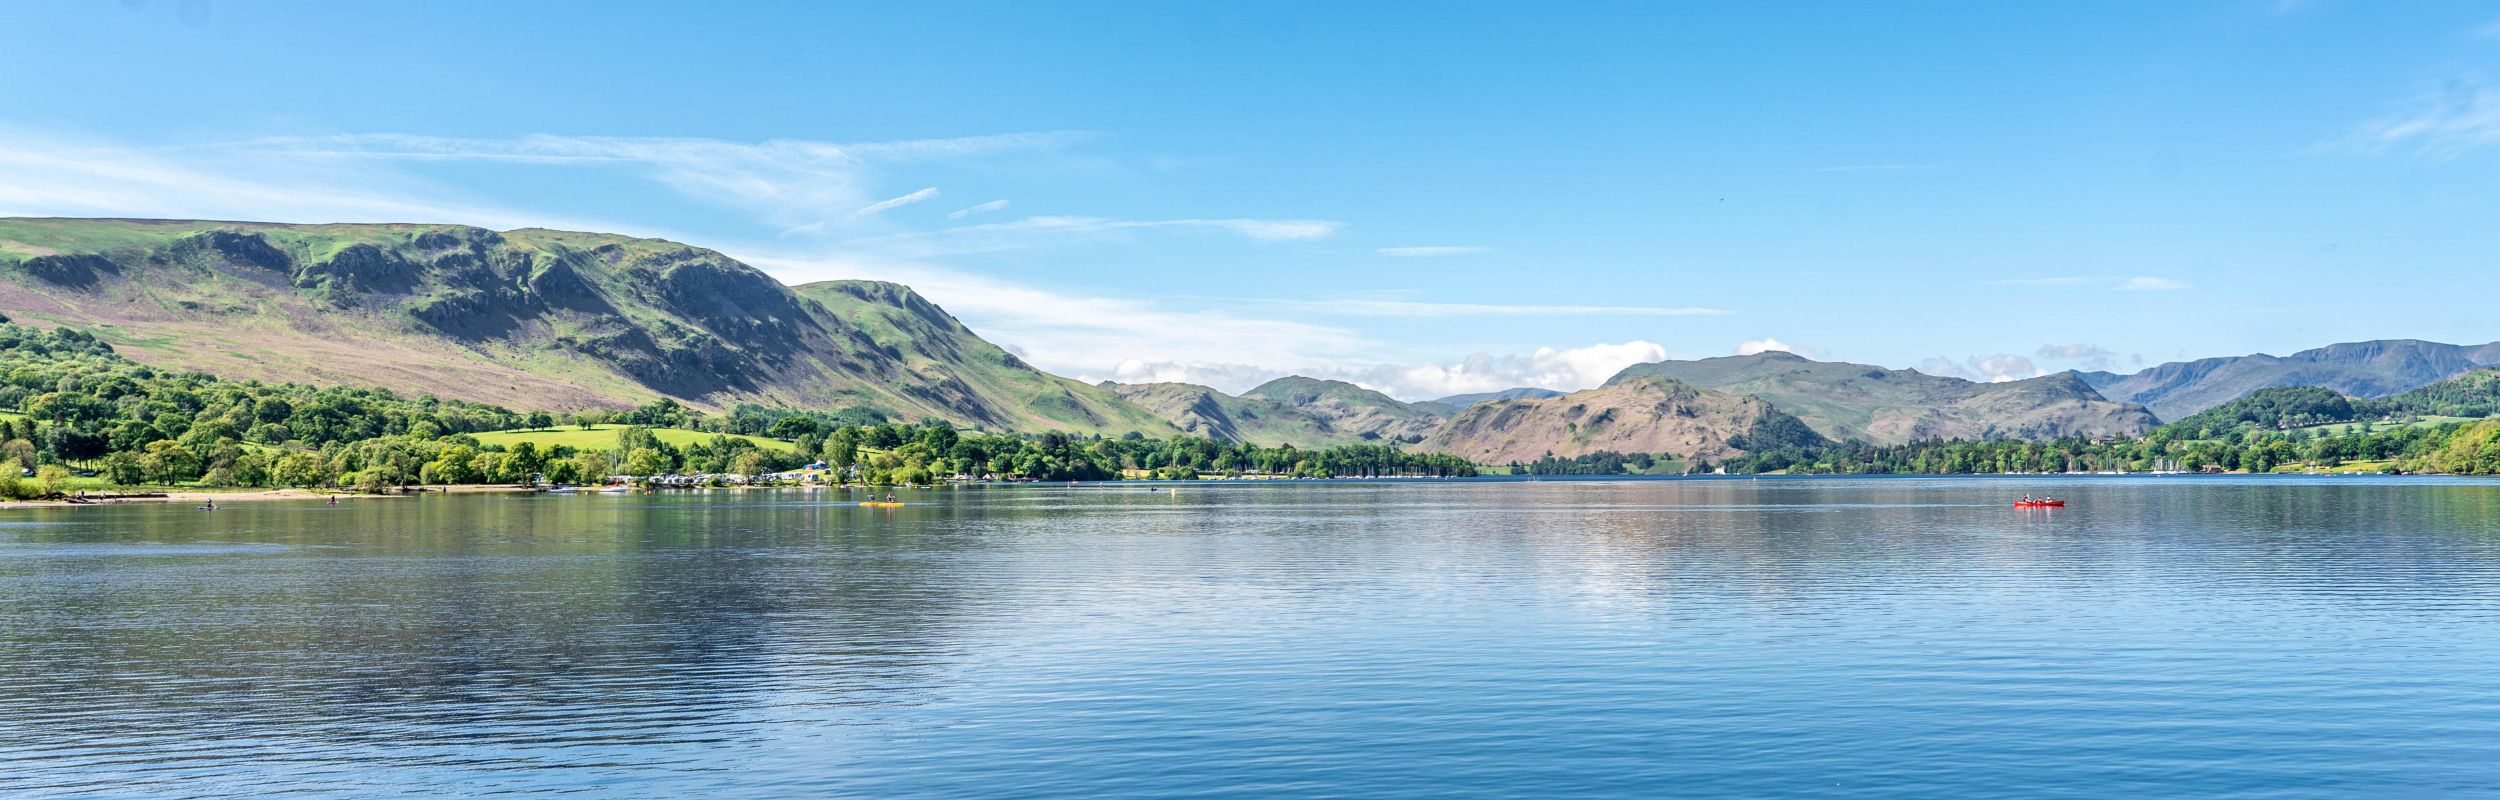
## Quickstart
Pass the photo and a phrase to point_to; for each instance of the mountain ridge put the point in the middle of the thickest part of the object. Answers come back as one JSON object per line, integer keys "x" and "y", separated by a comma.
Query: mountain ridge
{"x": 529, "y": 317}
{"x": 2366, "y": 369}
{"x": 1869, "y": 403}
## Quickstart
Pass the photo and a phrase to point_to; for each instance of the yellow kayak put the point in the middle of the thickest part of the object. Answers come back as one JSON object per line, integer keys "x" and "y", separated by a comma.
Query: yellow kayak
{"x": 879, "y": 504}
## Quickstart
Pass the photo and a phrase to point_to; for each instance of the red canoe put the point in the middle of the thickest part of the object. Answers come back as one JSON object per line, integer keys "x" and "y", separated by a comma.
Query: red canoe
{"x": 2039, "y": 504}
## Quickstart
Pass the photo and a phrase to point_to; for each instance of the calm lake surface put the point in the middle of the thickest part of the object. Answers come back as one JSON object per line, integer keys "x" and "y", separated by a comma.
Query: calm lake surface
{"x": 1905, "y": 637}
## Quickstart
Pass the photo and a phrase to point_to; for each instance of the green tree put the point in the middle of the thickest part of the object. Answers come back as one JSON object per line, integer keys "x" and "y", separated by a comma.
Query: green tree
{"x": 591, "y": 467}
{"x": 646, "y": 462}
{"x": 750, "y": 464}
{"x": 123, "y": 469}
{"x": 168, "y": 462}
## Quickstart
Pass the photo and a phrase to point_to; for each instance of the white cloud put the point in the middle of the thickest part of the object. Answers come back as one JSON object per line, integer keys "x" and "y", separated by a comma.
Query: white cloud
{"x": 1227, "y": 378}
{"x": 1997, "y": 368}
{"x": 1567, "y": 369}
{"x": 1426, "y": 252}
{"x": 2148, "y": 284}
{"x": 984, "y": 208}
{"x": 896, "y": 202}
{"x": 1408, "y": 308}
{"x": 1768, "y": 345}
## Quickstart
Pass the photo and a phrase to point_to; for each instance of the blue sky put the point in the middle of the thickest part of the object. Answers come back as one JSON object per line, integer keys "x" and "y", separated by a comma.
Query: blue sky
{"x": 1425, "y": 198}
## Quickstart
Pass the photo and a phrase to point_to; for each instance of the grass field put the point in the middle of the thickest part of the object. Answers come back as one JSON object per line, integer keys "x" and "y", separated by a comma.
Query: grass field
{"x": 603, "y": 437}
{"x": 2341, "y": 428}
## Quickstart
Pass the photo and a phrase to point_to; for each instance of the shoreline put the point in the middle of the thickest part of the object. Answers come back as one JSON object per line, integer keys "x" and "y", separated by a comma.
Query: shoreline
{"x": 202, "y": 496}
{"x": 222, "y": 496}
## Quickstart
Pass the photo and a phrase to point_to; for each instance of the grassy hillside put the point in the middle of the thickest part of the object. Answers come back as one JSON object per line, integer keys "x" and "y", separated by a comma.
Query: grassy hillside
{"x": 527, "y": 318}
{"x": 1885, "y": 406}
{"x": 603, "y": 437}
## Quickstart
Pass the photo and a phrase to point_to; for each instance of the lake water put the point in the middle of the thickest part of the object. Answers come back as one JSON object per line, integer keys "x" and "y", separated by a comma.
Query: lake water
{"x": 1904, "y": 637}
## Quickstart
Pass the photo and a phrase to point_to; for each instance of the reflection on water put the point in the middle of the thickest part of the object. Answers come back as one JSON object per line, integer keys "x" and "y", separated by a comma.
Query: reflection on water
{"x": 1884, "y": 637}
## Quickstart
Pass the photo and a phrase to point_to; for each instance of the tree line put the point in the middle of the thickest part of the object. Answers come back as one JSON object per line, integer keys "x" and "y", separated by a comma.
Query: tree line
{"x": 82, "y": 408}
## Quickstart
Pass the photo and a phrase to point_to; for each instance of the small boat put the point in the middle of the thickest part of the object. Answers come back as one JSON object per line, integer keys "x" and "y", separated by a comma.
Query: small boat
{"x": 2039, "y": 504}
{"x": 880, "y": 504}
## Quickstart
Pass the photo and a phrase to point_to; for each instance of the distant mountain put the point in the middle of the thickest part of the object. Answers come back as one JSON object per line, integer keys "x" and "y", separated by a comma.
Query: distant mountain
{"x": 1346, "y": 407}
{"x": 1203, "y": 411}
{"x": 528, "y": 319}
{"x": 1640, "y": 414}
{"x": 2360, "y": 369}
{"x": 1888, "y": 406}
{"x": 1458, "y": 401}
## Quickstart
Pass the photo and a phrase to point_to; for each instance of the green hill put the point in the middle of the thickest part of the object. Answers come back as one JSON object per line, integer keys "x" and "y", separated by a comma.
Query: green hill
{"x": 525, "y": 319}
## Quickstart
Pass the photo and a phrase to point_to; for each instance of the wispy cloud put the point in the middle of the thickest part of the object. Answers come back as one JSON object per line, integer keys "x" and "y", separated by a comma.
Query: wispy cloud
{"x": 2146, "y": 283}
{"x": 1407, "y": 308}
{"x": 2462, "y": 116}
{"x": 1035, "y": 231}
{"x": 984, "y": 208}
{"x": 786, "y": 182}
{"x": 2086, "y": 355}
{"x": 896, "y": 202}
{"x": 52, "y": 175}
{"x": 1425, "y": 252}
{"x": 1877, "y": 167}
